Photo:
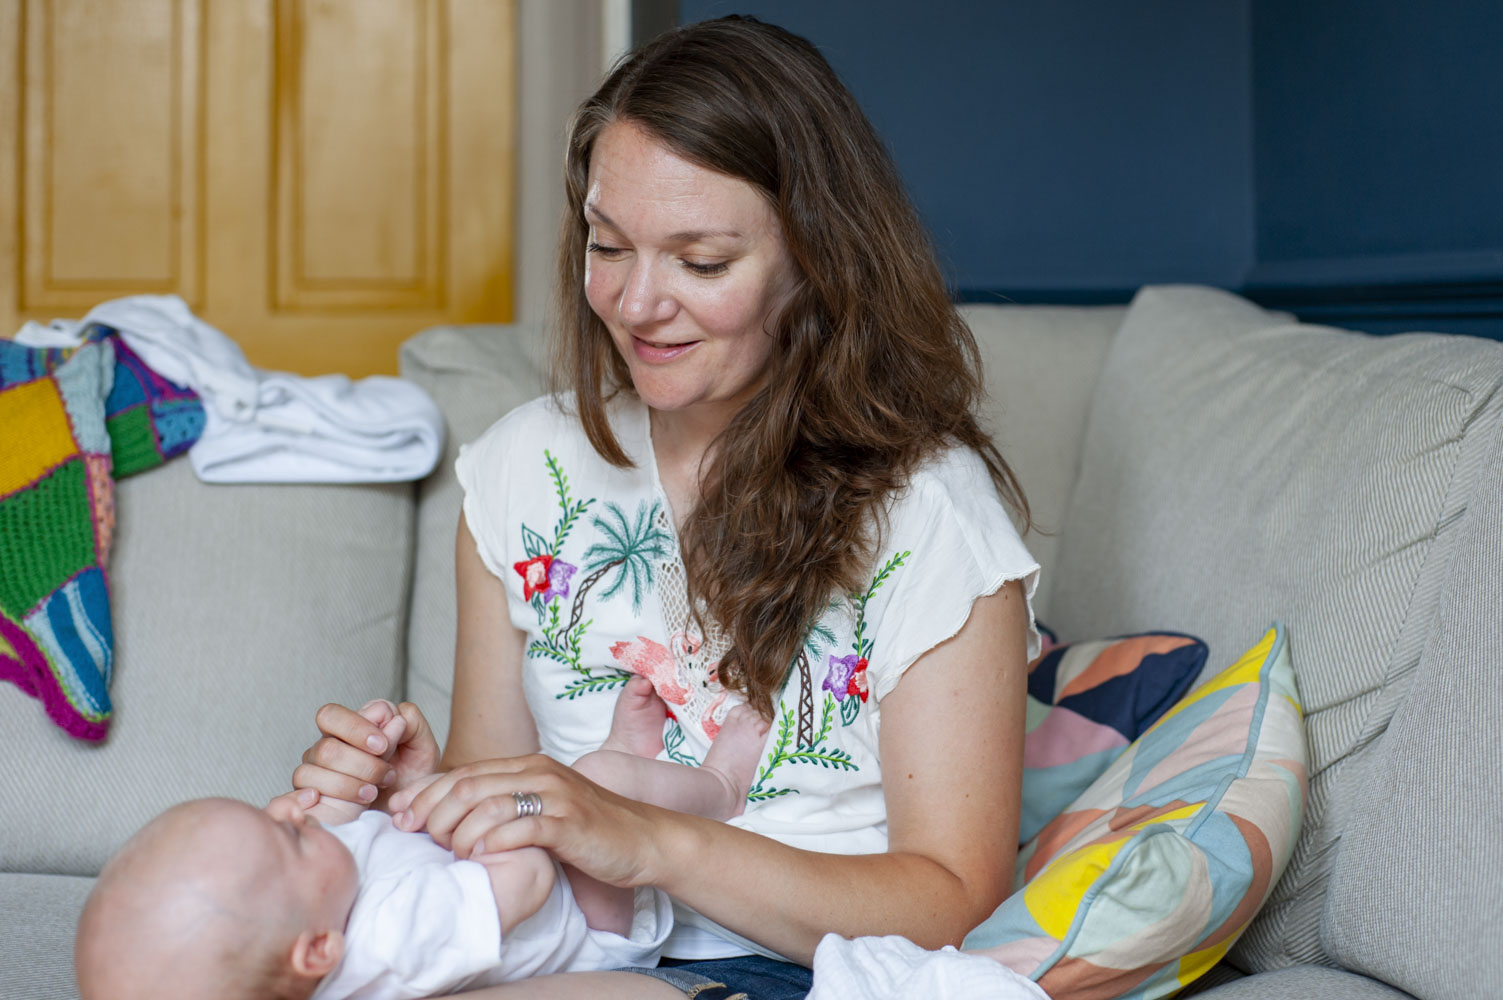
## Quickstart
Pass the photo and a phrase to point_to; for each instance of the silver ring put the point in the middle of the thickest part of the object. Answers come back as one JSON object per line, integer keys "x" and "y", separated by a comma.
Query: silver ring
{"x": 528, "y": 803}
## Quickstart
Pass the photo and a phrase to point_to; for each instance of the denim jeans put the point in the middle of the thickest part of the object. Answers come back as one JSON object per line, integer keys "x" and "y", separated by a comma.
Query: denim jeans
{"x": 746, "y": 977}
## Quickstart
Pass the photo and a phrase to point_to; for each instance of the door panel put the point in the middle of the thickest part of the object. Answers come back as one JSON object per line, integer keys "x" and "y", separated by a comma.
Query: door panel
{"x": 318, "y": 178}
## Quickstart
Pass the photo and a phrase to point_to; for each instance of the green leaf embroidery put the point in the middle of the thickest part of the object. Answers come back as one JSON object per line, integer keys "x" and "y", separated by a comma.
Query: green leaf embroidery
{"x": 673, "y": 742}
{"x": 534, "y": 544}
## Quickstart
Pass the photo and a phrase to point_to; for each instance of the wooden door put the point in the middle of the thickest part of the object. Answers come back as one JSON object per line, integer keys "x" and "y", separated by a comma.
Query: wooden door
{"x": 318, "y": 178}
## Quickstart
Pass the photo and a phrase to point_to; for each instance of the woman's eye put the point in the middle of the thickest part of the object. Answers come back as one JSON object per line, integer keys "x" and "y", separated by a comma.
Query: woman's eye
{"x": 706, "y": 270}
{"x": 609, "y": 253}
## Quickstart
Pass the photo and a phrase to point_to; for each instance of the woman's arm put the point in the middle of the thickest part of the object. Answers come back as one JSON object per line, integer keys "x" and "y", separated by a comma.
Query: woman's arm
{"x": 951, "y": 745}
{"x": 489, "y": 715}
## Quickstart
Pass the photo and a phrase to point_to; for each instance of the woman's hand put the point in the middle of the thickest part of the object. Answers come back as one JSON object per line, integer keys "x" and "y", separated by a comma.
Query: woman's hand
{"x": 367, "y": 754}
{"x": 471, "y": 810}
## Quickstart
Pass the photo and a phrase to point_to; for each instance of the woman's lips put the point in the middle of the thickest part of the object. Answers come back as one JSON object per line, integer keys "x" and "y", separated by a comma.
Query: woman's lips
{"x": 659, "y": 353}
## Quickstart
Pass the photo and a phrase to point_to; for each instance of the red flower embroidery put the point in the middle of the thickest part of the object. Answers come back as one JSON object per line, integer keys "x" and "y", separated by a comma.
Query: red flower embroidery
{"x": 857, "y": 684}
{"x": 534, "y": 574}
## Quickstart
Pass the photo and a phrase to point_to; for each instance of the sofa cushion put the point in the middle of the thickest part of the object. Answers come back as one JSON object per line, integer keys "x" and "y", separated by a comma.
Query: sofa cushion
{"x": 1304, "y": 982}
{"x": 1238, "y": 469}
{"x": 1086, "y": 702}
{"x": 1416, "y": 895}
{"x": 476, "y": 374}
{"x": 1040, "y": 365}
{"x": 238, "y": 611}
{"x": 36, "y": 925}
{"x": 1144, "y": 881}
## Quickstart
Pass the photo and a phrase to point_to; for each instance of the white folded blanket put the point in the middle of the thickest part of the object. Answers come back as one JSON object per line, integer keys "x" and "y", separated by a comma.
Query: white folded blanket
{"x": 270, "y": 427}
{"x": 894, "y": 968}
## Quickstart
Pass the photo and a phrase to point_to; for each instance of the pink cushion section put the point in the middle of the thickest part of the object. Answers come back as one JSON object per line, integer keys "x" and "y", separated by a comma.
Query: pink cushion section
{"x": 1064, "y": 736}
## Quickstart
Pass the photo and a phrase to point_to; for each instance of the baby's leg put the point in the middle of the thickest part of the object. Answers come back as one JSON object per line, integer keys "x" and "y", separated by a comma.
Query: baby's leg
{"x": 520, "y": 880}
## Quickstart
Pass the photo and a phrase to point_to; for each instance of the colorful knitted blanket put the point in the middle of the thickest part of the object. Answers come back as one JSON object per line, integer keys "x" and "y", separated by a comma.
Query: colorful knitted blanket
{"x": 71, "y": 421}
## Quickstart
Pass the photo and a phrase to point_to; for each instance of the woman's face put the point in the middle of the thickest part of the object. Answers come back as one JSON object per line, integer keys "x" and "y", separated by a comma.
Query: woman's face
{"x": 685, "y": 267}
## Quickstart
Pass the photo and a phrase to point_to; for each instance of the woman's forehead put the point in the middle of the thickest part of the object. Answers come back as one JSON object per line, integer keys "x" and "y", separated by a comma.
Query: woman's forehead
{"x": 638, "y": 183}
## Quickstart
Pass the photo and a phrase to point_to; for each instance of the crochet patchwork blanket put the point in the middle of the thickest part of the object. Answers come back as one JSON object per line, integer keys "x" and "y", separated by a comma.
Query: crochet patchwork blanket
{"x": 72, "y": 420}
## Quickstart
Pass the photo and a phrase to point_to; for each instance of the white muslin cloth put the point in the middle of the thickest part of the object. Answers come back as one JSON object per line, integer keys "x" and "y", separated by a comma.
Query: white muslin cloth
{"x": 269, "y": 427}
{"x": 894, "y": 968}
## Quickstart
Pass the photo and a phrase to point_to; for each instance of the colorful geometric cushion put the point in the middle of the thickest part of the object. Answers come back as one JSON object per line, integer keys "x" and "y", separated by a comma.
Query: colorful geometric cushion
{"x": 1144, "y": 882}
{"x": 1086, "y": 702}
{"x": 56, "y": 518}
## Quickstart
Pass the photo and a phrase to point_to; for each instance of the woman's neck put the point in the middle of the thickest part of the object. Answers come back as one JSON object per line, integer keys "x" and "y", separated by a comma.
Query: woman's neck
{"x": 681, "y": 443}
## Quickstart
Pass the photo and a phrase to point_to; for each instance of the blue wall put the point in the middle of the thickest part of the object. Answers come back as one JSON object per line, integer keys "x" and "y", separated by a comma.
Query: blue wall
{"x": 1342, "y": 158}
{"x": 1073, "y": 146}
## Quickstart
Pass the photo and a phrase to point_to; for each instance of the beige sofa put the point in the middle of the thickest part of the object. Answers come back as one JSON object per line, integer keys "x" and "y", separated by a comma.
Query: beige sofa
{"x": 1202, "y": 466}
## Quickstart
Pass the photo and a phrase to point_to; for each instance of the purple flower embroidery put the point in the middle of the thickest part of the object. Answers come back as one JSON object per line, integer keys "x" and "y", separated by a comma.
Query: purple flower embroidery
{"x": 559, "y": 573}
{"x": 838, "y": 680}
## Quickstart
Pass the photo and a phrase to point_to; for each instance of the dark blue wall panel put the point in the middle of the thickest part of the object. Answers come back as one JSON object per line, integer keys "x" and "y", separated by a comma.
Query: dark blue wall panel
{"x": 1069, "y": 146}
{"x": 1341, "y": 158}
{"x": 1379, "y": 160}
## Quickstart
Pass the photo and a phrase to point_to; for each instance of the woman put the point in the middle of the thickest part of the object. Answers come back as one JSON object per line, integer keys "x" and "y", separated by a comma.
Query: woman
{"x": 766, "y": 483}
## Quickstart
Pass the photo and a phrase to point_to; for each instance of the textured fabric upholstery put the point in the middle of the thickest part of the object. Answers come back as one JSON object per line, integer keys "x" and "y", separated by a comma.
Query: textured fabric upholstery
{"x": 238, "y": 611}
{"x": 1428, "y": 797}
{"x": 1304, "y": 982}
{"x": 37, "y": 917}
{"x": 1040, "y": 364}
{"x": 476, "y": 374}
{"x": 1236, "y": 470}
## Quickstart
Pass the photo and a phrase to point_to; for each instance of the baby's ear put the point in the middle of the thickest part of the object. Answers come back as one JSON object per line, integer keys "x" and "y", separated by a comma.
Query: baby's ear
{"x": 316, "y": 953}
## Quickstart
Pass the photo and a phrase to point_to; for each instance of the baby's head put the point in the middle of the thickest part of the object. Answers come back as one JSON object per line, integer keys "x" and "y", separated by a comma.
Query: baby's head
{"x": 217, "y": 898}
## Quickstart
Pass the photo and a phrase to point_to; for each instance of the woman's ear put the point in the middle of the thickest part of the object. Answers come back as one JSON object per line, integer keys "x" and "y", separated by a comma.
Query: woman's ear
{"x": 316, "y": 953}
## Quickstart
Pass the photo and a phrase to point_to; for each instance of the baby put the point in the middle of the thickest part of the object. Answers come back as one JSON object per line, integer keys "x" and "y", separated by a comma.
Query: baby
{"x": 216, "y": 898}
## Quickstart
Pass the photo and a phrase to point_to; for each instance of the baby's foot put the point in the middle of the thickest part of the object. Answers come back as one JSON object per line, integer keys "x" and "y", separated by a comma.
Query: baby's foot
{"x": 735, "y": 753}
{"x": 637, "y": 724}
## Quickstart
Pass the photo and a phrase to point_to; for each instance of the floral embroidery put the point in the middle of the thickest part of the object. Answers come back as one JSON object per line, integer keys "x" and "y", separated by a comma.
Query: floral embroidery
{"x": 845, "y": 685}
{"x": 847, "y": 677}
{"x": 546, "y": 575}
{"x": 623, "y": 558}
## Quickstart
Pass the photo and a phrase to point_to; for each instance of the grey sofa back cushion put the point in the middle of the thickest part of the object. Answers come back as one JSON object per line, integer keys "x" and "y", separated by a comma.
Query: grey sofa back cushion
{"x": 1416, "y": 895}
{"x": 1238, "y": 469}
{"x": 1041, "y": 364}
{"x": 238, "y": 611}
{"x": 476, "y": 374}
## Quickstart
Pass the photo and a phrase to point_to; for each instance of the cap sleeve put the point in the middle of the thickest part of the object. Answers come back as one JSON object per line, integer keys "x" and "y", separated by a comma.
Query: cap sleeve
{"x": 949, "y": 541}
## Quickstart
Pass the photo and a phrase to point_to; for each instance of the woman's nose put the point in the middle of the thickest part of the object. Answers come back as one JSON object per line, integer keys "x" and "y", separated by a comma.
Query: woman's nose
{"x": 644, "y": 299}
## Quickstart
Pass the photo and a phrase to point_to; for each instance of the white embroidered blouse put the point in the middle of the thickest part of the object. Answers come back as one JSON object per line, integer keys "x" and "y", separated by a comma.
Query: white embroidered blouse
{"x": 594, "y": 577}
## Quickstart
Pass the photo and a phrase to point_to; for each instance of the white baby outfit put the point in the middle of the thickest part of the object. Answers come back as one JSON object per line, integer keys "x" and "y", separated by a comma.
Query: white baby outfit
{"x": 591, "y": 563}
{"x": 425, "y": 924}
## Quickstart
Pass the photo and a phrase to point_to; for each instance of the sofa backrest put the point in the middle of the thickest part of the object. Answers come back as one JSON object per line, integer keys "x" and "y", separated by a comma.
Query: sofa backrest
{"x": 1040, "y": 364}
{"x": 1239, "y": 469}
{"x": 237, "y": 611}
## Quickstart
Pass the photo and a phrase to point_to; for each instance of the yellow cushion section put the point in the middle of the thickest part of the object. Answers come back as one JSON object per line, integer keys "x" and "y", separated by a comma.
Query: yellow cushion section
{"x": 1244, "y": 671}
{"x": 37, "y": 433}
{"x": 1198, "y": 963}
{"x": 1053, "y": 895}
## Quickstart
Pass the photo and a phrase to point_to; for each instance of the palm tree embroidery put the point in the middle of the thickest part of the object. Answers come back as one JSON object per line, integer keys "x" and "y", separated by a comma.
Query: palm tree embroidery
{"x": 623, "y": 559}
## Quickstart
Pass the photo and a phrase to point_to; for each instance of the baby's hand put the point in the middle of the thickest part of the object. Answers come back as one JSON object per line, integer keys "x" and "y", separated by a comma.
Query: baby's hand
{"x": 411, "y": 749}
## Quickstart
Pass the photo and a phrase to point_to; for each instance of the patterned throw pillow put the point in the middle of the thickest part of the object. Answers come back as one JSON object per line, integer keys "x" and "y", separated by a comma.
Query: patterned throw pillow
{"x": 1086, "y": 702}
{"x": 56, "y": 518}
{"x": 1147, "y": 879}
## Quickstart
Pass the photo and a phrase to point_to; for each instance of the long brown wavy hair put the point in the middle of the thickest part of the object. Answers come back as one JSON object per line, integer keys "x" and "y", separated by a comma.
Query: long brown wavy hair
{"x": 873, "y": 369}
